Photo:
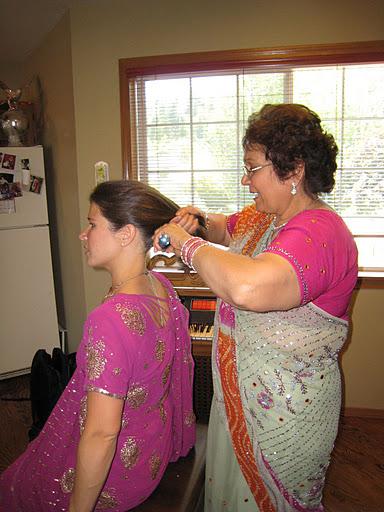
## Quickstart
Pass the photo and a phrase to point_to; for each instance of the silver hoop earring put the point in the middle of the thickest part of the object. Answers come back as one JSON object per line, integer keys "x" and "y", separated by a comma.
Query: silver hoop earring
{"x": 293, "y": 189}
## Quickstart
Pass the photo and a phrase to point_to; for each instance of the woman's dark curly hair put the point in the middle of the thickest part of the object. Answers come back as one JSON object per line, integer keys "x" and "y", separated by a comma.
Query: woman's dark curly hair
{"x": 125, "y": 202}
{"x": 290, "y": 134}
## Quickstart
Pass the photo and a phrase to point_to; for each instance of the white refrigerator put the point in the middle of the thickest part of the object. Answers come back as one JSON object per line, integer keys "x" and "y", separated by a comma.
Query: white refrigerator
{"x": 28, "y": 316}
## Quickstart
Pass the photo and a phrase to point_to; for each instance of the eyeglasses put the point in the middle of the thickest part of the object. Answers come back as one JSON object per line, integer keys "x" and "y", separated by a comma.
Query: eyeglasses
{"x": 250, "y": 172}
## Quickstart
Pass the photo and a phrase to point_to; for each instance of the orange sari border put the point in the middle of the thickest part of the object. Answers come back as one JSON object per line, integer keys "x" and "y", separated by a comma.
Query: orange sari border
{"x": 254, "y": 223}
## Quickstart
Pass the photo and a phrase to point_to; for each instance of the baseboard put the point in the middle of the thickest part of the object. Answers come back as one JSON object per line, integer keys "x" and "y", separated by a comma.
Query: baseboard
{"x": 361, "y": 412}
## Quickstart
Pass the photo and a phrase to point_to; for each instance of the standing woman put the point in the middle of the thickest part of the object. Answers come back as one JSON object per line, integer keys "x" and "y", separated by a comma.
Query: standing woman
{"x": 127, "y": 411}
{"x": 284, "y": 289}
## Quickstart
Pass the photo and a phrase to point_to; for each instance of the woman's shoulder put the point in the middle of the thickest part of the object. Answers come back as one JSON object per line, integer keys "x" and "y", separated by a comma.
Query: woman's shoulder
{"x": 121, "y": 314}
{"x": 324, "y": 220}
{"x": 113, "y": 306}
{"x": 322, "y": 227}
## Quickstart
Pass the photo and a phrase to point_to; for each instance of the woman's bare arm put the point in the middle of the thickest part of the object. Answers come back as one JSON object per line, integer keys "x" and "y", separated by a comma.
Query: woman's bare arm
{"x": 265, "y": 283}
{"x": 96, "y": 450}
{"x": 217, "y": 233}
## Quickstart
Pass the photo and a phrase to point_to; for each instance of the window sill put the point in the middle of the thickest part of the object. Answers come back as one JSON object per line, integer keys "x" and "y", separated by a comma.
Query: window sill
{"x": 370, "y": 279}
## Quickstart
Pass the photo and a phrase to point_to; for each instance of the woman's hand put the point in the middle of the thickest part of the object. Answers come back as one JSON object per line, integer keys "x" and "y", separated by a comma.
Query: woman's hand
{"x": 177, "y": 236}
{"x": 188, "y": 218}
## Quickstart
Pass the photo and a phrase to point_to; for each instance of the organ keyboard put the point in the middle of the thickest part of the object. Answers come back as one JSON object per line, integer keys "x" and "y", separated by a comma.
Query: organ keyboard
{"x": 196, "y": 297}
{"x": 201, "y": 317}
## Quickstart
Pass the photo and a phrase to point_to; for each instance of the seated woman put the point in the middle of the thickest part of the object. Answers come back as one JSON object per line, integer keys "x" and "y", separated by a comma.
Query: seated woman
{"x": 127, "y": 411}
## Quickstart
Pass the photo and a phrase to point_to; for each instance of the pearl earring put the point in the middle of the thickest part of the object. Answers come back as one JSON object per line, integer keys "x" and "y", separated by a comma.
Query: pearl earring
{"x": 293, "y": 189}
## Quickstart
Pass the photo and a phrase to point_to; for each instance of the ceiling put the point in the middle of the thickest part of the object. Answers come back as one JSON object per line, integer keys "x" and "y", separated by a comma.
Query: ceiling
{"x": 24, "y": 24}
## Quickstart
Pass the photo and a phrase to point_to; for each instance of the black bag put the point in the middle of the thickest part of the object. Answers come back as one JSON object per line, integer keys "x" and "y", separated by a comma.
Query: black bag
{"x": 49, "y": 376}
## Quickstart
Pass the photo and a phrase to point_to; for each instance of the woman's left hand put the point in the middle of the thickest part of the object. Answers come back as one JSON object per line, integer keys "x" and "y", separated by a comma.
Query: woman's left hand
{"x": 177, "y": 236}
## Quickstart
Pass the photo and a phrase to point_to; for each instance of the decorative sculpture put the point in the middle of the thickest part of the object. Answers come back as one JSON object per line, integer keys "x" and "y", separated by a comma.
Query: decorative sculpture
{"x": 14, "y": 121}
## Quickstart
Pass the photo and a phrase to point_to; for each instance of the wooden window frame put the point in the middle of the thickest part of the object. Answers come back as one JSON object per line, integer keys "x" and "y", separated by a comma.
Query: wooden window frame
{"x": 340, "y": 53}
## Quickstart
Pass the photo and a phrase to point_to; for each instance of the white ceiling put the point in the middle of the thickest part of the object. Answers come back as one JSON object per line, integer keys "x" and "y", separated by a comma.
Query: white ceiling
{"x": 24, "y": 24}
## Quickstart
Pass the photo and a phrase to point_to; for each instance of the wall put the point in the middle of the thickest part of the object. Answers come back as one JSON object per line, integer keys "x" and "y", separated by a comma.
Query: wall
{"x": 52, "y": 62}
{"x": 362, "y": 360}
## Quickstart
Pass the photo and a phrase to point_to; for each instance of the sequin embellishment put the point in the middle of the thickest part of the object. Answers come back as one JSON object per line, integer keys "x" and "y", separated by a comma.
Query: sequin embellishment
{"x": 124, "y": 422}
{"x": 67, "y": 481}
{"x": 95, "y": 359}
{"x": 106, "y": 501}
{"x": 154, "y": 464}
{"x": 132, "y": 318}
{"x": 160, "y": 350}
{"x": 136, "y": 396}
{"x": 164, "y": 378}
{"x": 190, "y": 418}
{"x": 82, "y": 413}
{"x": 129, "y": 453}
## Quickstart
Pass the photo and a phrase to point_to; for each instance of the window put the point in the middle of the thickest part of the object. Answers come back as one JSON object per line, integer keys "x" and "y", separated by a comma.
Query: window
{"x": 185, "y": 130}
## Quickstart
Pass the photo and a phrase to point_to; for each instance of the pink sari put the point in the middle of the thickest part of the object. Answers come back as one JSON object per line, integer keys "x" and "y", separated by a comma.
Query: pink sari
{"x": 125, "y": 354}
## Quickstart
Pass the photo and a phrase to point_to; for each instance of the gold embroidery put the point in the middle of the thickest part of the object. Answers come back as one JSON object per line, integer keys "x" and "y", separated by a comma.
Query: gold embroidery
{"x": 124, "y": 422}
{"x": 82, "y": 413}
{"x": 132, "y": 318}
{"x": 164, "y": 378}
{"x": 190, "y": 418}
{"x": 116, "y": 371}
{"x": 106, "y": 500}
{"x": 163, "y": 413}
{"x": 129, "y": 453}
{"x": 154, "y": 464}
{"x": 160, "y": 350}
{"x": 136, "y": 396}
{"x": 95, "y": 359}
{"x": 67, "y": 481}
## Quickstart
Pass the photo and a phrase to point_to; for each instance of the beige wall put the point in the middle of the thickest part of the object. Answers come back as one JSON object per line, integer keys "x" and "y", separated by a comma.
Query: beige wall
{"x": 52, "y": 62}
{"x": 362, "y": 360}
{"x": 83, "y": 118}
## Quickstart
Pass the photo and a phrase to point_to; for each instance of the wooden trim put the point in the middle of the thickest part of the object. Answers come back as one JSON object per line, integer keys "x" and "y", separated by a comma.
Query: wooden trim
{"x": 124, "y": 121}
{"x": 202, "y": 348}
{"x": 362, "y": 412}
{"x": 338, "y": 53}
{"x": 370, "y": 282}
{"x": 367, "y": 51}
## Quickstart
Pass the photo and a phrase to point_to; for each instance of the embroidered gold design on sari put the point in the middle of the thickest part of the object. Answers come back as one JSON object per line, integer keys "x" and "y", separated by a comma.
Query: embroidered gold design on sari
{"x": 136, "y": 396}
{"x": 129, "y": 453}
{"x": 160, "y": 350}
{"x": 165, "y": 375}
{"x": 67, "y": 481}
{"x": 190, "y": 418}
{"x": 154, "y": 465}
{"x": 83, "y": 413}
{"x": 95, "y": 359}
{"x": 132, "y": 318}
{"x": 106, "y": 500}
